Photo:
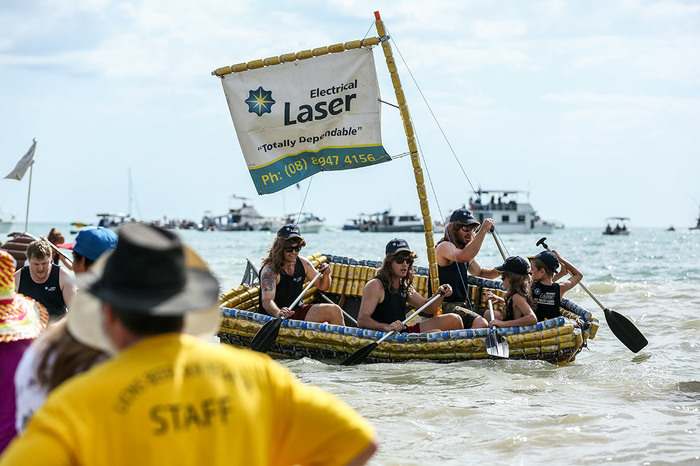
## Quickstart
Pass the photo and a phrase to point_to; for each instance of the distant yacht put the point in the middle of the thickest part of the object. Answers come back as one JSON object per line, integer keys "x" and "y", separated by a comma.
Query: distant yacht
{"x": 6, "y": 222}
{"x": 510, "y": 214}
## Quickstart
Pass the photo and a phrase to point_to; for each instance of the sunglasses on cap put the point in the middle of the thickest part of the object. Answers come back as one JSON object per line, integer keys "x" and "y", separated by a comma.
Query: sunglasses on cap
{"x": 403, "y": 259}
{"x": 293, "y": 248}
{"x": 468, "y": 228}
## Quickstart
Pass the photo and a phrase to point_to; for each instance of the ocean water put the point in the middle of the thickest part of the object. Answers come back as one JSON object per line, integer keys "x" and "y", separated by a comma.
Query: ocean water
{"x": 609, "y": 406}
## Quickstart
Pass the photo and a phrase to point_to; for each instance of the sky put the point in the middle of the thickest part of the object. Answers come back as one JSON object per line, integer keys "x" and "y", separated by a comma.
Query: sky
{"x": 592, "y": 107}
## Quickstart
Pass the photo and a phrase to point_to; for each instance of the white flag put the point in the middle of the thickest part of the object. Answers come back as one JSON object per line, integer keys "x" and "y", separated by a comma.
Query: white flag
{"x": 24, "y": 163}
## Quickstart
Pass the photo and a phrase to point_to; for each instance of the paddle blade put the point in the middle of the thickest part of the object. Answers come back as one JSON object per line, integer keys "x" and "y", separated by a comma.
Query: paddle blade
{"x": 358, "y": 356}
{"x": 496, "y": 345}
{"x": 625, "y": 331}
{"x": 266, "y": 336}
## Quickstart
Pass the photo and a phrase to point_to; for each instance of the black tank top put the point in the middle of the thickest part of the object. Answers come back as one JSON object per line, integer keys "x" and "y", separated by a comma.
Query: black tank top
{"x": 48, "y": 293}
{"x": 547, "y": 300}
{"x": 289, "y": 287}
{"x": 393, "y": 307}
{"x": 450, "y": 275}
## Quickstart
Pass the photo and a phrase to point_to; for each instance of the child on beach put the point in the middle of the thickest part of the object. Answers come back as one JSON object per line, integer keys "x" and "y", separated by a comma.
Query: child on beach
{"x": 515, "y": 273}
{"x": 546, "y": 291}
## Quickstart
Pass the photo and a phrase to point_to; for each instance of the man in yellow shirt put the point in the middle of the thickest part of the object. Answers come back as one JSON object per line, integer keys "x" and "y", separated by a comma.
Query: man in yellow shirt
{"x": 170, "y": 398}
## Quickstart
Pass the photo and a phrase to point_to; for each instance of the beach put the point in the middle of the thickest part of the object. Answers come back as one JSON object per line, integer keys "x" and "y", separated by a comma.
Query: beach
{"x": 610, "y": 405}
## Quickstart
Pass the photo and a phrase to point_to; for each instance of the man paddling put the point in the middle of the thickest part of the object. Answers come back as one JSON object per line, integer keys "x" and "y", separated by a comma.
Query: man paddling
{"x": 384, "y": 299}
{"x": 282, "y": 281}
{"x": 456, "y": 253}
{"x": 171, "y": 398}
{"x": 49, "y": 284}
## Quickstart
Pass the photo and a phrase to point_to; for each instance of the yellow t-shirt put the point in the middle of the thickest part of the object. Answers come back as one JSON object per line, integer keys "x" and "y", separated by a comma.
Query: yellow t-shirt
{"x": 174, "y": 399}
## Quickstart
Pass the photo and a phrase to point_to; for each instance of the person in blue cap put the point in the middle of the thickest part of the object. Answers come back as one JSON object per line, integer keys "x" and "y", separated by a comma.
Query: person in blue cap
{"x": 384, "y": 299}
{"x": 456, "y": 253}
{"x": 515, "y": 273}
{"x": 89, "y": 245}
{"x": 546, "y": 291}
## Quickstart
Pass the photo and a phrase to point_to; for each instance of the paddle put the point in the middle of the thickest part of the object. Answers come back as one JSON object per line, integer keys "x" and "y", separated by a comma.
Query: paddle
{"x": 498, "y": 243}
{"x": 496, "y": 345}
{"x": 621, "y": 327}
{"x": 330, "y": 301}
{"x": 267, "y": 335}
{"x": 361, "y": 354}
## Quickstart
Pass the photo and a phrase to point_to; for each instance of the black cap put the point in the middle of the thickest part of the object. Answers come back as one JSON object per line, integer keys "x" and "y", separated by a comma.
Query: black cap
{"x": 289, "y": 231}
{"x": 463, "y": 215}
{"x": 548, "y": 258}
{"x": 397, "y": 245}
{"x": 514, "y": 264}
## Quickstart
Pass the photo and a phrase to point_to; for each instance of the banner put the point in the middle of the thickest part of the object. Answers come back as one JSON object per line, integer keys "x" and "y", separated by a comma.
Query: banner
{"x": 296, "y": 119}
{"x": 24, "y": 163}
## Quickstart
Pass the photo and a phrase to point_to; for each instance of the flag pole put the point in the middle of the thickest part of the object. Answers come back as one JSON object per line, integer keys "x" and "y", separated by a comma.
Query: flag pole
{"x": 29, "y": 195}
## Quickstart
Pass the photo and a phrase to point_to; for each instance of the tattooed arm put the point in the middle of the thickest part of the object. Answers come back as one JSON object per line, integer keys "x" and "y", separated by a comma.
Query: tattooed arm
{"x": 268, "y": 288}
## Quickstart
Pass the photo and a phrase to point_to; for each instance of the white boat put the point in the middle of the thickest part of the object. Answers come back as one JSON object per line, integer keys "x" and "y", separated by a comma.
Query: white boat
{"x": 6, "y": 222}
{"x": 511, "y": 215}
{"x": 384, "y": 222}
{"x": 114, "y": 221}
{"x": 307, "y": 222}
{"x": 620, "y": 226}
{"x": 244, "y": 218}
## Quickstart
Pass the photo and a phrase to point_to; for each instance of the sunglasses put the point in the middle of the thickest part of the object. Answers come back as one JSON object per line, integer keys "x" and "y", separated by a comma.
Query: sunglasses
{"x": 468, "y": 228}
{"x": 293, "y": 248}
{"x": 403, "y": 260}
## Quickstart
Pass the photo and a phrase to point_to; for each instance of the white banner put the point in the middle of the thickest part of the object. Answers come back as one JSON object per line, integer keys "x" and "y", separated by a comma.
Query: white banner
{"x": 296, "y": 119}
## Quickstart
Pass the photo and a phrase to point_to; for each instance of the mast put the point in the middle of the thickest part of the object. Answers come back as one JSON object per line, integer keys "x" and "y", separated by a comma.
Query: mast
{"x": 413, "y": 148}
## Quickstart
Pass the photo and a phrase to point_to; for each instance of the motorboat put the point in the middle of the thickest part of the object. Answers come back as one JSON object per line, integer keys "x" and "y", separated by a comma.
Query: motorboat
{"x": 114, "y": 221}
{"x": 620, "y": 227}
{"x": 384, "y": 222}
{"x": 509, "y": 212}
{"x": 6, "y": 222}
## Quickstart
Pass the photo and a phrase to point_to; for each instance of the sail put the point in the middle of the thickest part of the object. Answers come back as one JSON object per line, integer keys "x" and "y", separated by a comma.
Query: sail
{"x": 296, "y": 119}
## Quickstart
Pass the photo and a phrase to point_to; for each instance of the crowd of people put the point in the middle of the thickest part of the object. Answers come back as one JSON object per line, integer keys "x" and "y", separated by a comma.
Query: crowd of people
{"x": 102, "y": 359}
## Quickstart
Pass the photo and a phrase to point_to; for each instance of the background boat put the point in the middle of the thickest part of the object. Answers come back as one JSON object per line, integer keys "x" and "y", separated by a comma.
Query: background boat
{"x": 620, "y": 227}
{"x": 6, "y": 222}
{"x": 510, "y": 213}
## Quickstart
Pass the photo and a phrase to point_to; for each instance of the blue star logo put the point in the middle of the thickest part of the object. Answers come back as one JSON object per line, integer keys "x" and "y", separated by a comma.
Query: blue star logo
{"x": 260, "y": 101}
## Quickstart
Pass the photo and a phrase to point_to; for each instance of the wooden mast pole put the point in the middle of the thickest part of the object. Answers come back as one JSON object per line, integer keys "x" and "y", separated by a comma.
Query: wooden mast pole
{"x": 413, "y": 149}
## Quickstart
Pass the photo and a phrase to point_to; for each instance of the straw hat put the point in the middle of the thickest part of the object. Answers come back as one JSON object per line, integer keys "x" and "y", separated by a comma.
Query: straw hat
{"x": 107, "y": 276}
{"x": 21, "y": 318}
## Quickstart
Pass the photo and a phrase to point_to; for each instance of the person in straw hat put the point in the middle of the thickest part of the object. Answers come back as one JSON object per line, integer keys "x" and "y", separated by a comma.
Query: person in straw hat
{"x": 21, "y": 320}
{"x": 170, "y": 398}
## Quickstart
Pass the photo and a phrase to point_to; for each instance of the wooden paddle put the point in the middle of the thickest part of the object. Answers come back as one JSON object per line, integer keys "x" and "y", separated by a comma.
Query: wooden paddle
{"x": 361, "y": 354}
{"x": 496, "y": 345}
{"x": 621, "y": 326}
{"x": 267, "y": 335}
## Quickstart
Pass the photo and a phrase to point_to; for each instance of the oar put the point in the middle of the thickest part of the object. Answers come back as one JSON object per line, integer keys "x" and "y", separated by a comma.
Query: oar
{"x": 267, "y": 335}
{"x": 496, "y": 345}
{"x": 621, "y": 326}
{"x": 498, "y": 243}
{"x": 330, "y": 301}
{"x": 361, "y": 354}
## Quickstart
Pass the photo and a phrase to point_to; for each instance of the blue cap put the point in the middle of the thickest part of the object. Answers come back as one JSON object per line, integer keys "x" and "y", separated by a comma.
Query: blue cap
{"x": 289, "y": 231}
{"x": 397, "y": 245}
{"x": 92, "y": 242}
{"x": 548, "y": 258}
{"x": 463, "y": 215}
{"x": 514, "y": 264}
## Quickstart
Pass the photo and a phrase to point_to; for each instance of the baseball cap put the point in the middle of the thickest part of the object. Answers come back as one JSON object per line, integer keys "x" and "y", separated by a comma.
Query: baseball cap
{"x": 548, "y": 258}
{"x": 463, "y": 215}
{"x": 397, "y": 245}
{"x": 514, "y": 264}
{"x": 289, "y": 231}
{"x": 92, "y": 242}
